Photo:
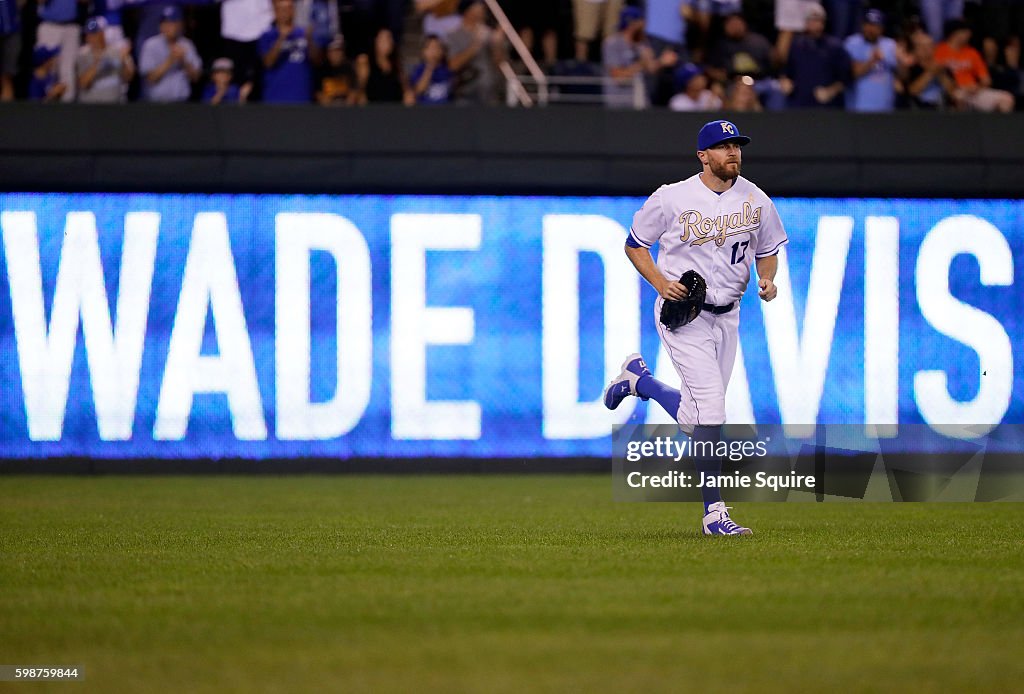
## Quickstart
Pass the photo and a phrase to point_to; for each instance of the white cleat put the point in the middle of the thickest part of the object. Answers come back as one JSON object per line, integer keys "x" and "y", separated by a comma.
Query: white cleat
{"x": 718, "y": 522}
{"x": 624, "y": 385}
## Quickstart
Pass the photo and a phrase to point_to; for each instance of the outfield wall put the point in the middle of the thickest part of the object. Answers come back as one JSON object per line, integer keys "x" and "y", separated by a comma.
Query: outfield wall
{"x": 586, "y": 151}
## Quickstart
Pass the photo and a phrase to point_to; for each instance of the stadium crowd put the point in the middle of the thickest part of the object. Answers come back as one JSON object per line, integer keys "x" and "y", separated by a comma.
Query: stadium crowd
{"x": 687, "y": 55}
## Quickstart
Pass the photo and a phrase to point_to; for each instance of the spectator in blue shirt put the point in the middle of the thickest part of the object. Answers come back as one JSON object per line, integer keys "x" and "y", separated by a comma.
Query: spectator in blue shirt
{"x": 874, "y": 65}
{"x": 287, "y": 54}
{"x": 149, "y": 15}
{"x": 431, "y": 79}
{"x": 10, "y": 46}
{"x": 666, "y": 24}
{"x": 221, "y": 89}
{"x": 168, "y": 62}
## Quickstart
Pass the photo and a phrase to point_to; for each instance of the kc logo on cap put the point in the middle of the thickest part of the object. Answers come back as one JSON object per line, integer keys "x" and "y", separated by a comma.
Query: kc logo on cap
{"x": 719, "y": 131}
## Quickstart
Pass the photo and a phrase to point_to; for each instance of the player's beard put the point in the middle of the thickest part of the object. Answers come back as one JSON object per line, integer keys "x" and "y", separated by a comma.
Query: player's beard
{"x": 724, "y": 171}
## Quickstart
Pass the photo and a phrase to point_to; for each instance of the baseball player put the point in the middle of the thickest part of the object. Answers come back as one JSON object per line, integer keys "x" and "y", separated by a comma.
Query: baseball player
{"x": 716, "y": 223}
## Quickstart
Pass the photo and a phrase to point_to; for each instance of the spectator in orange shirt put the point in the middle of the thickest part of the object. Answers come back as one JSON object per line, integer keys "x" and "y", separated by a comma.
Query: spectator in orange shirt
{"x": 973, "y": 83}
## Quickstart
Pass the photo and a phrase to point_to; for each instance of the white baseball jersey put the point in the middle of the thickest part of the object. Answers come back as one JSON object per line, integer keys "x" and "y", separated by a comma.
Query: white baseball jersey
{"x": 717, "y": 235}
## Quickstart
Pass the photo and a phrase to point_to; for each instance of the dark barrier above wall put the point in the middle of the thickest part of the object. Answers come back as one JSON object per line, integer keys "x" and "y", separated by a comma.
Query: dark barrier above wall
{"x": 499, "y": 151}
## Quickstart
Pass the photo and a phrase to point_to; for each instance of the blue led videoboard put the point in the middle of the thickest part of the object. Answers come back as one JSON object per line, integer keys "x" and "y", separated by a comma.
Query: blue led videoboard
{"x": 166, "y": 326}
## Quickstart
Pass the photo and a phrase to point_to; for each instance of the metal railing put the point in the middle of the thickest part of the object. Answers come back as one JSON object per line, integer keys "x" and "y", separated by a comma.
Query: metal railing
{"x": 579, "y": 89}
{"x": 515, "y": 89}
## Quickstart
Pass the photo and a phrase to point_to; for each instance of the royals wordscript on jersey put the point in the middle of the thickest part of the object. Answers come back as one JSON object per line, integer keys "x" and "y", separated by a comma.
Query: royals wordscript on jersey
{"x": 717, "y": 229}
{"x": 686, "y": 217}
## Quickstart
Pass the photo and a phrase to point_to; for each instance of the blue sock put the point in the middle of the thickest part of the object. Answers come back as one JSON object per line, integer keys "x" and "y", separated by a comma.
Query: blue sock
{"x": 708, "y": 465}
{"x": 668, "y": 398}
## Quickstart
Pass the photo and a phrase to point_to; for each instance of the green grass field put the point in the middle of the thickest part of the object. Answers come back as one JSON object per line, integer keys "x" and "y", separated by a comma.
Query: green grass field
{"x": 497, "y": 584}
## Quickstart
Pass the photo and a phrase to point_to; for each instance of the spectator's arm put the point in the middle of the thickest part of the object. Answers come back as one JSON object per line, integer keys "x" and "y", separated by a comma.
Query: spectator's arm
{"x": 836, "y": 88}
{"x": 841, "y": 75}
{"x": 917, "y": 85}
{"x": 193, "y": 64}
{"x": 612, "y": 59}
{"x": 156, "y": 73}
{"x": 271, "y": 51}
{"x": 408, "y": 98}
{"x": 981, "y": 72}
{"x": 947, "y": 82}
{"x": 859, "y": 68}
{"x": 424, "y": 6}
{"x": 460, "y": 60}
{"x": 862, "y": 67}
{"x": 648, "y": 61}
{"x": 313, "y": 50}
{"x": 87, "y": 75}
{"x": 362, "y": 76}
{"x": 422, "y": 83}
{"x": 55, "y": 92}
{"x": 904, "y": 62}
{"x": 127, "y": 65}
{"x": 626, "y": 72}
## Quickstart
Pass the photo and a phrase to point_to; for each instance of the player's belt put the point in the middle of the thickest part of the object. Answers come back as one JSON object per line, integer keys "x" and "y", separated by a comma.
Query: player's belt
{"x": 719, "y": 310}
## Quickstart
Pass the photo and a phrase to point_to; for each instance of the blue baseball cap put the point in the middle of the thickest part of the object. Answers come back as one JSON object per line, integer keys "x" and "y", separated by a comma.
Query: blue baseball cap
{"x": 628, "y": 15}
{"x": 171, "y": 13}
{"x": 874, "y": 16}
{"x": 684, "y": 73}
{"x": 718, "y": 131}
{"x": 94, "y": 25}
{"x": 40, "y": 54}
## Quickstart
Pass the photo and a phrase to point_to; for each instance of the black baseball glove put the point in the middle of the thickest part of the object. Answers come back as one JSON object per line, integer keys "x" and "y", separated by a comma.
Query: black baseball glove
{"x": 675, "y": 314}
